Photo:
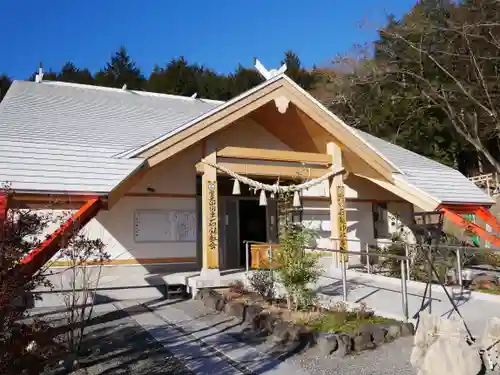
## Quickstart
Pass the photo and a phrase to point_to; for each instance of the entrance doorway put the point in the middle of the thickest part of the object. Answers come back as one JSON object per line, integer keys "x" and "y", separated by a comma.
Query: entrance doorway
{"x": 252, "y": 225}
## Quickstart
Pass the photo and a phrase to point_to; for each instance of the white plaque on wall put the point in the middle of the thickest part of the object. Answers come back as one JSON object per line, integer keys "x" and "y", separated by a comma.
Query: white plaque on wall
{"x": 164, "y": 226}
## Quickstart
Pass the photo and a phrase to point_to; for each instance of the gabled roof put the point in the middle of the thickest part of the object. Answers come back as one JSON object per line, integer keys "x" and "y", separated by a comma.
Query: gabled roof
{"x": 90, "y": 138}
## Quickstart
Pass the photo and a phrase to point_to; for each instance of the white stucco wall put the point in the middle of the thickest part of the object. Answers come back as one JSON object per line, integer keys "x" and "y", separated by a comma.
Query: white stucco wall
{"x": 174, "y": 186}
{"x": 360, "y": 231}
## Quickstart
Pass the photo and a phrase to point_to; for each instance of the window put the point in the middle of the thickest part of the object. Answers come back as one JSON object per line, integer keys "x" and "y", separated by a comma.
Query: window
{"x": 380, "y": 220}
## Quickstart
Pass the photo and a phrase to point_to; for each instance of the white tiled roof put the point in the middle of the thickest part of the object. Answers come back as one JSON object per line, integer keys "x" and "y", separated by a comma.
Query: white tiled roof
{"x": 69, "y": 137}
{"x": 57, "y": 168}
{"x": 63, "y": 137}
{"x": 437, "y": 180}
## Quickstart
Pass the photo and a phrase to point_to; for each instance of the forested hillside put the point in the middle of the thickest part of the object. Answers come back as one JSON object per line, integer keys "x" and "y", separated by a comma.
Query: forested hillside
{"x": 430, "y": 82}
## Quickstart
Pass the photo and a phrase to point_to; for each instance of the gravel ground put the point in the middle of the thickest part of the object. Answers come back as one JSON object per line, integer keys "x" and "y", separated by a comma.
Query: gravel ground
{"x": 389, "y": 359}
{"x": 118, "y": 345}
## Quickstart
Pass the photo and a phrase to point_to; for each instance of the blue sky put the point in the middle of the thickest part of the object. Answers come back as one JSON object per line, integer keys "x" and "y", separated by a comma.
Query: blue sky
{"x": 217, "y": 33}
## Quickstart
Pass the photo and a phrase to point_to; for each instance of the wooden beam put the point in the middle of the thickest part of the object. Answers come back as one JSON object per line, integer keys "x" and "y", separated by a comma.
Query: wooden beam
{"x": 274, "y": 155}
{"x": 407, "y": 193}
{"x": 127, "y": 184}
{"x": 265, "y": 170}
{"x": 113, "y": 262}
{"x": 338, "y": 219}
{"x": 211, "y": 124}
{"x": 336, "y": 127}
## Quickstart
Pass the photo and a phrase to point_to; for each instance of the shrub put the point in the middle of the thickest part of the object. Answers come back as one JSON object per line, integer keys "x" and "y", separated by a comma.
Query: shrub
{"x": 237, "y": 287}
{"x": 262, "y": 282}
{"x": 296, "y": 267}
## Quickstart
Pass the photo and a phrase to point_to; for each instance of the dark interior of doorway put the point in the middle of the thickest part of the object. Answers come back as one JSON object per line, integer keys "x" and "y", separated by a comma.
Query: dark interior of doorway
{"x": 252, "y": 224}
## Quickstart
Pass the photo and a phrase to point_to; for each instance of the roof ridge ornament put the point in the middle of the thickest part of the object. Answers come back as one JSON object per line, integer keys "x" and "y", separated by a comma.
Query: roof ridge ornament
{"x": 39, "y": 76}
{"x": 268, "y": 74}
{"x": 280, "y": 101}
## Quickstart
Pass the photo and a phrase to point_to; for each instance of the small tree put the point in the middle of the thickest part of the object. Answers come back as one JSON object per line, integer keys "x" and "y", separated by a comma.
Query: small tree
{"x": 296, "y": 268}
{"x": 79, "y": 284}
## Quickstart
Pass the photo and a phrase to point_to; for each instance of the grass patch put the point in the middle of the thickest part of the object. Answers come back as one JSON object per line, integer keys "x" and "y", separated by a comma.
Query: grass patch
{"x": 488, "y": 291}
{"x": 348, "y": 322}
{"x": 339, "y": 318}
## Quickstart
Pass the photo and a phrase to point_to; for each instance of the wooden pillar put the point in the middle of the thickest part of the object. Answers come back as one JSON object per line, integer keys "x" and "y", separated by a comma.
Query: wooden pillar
{"x": 210, "y": 221}
{"x": 337, "y": 204}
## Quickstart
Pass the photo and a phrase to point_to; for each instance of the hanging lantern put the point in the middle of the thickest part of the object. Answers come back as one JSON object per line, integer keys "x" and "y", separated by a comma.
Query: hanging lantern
{"x": 296, "y": 199}
{"x": 262, "y": 198}
{"x": 236, "y": 187}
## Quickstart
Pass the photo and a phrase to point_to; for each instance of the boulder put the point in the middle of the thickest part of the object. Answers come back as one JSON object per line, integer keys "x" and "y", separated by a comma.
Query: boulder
{"x": 252, "y": 312}
{"x": 393, "y": 332}
{"x": 259, "y": 322}
{"x": 327, "y": 343}
{"x": 377, "y": 332}
{"x": 270, "y": 322}
{"x": 288, "y": 332}
{"x": 363, "y": 341}
{"x": 202, "y": 294}
{"x": 214, "y": 301}
{"x": 407, "y": 329}
{"x": 378, "y": 335}
{"x": 236, "y": 309}
{"x": 344, "y": 344}
{"x": 281, "y": 332}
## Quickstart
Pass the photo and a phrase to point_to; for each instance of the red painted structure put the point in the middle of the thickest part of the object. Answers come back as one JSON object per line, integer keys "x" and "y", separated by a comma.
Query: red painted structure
{"x": 42, "y": 254}
{"x": 35, "y": 260}
{"x": 3, "y": 213}
{"x": 454, "y": 213}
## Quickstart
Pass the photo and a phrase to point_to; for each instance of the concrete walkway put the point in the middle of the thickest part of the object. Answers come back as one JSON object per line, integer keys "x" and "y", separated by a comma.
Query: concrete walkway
{"x": 383, "y": 295}
{"x": 204, "y": 340}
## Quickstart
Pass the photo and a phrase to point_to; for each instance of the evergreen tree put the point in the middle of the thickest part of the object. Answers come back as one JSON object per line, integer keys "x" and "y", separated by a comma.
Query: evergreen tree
{"x": 119, "y": 71}
{"x": 295, "y": 71}
{"x": 5, "y": 83}
{"x": 70, "y": 73}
